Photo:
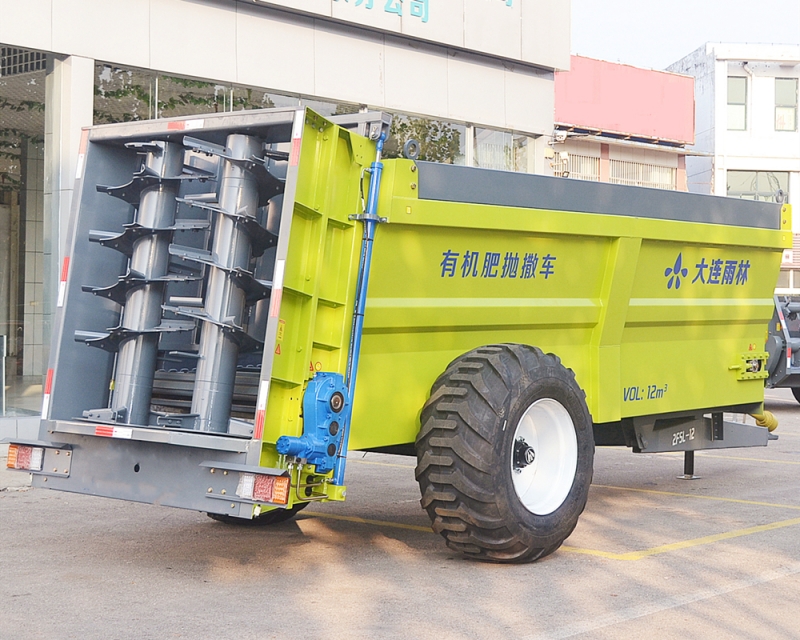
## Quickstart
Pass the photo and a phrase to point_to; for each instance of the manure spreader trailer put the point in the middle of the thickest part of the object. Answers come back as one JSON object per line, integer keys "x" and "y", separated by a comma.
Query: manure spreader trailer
{"x": 248, "y": 296}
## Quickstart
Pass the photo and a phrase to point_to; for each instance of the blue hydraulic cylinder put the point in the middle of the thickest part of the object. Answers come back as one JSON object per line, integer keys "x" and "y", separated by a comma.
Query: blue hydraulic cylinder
{"x": 370, "y": 220}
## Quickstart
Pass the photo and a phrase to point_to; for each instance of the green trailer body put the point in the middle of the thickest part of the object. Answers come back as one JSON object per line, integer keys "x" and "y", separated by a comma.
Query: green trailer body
{"x": 653, "y": 306}
{"x": 654, "y": 315}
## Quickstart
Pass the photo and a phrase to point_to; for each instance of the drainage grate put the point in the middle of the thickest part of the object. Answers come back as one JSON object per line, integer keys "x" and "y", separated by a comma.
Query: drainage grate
{"x": 14, "y": 62}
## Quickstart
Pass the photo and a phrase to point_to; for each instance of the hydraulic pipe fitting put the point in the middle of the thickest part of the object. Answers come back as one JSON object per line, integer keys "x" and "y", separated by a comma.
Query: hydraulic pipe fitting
{"x": 766, "y": 419}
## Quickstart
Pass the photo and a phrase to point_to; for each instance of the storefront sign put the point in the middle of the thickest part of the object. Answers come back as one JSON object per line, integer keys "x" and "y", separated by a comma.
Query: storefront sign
{"x": 495, "y": 27}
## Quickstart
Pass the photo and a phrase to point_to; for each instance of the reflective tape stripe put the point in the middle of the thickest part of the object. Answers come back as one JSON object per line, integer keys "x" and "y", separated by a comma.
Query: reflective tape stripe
{"x": 185, "y": 125}
{"x": 277, "y": 289}
{"x": 108, "y": 431}
{"x": 82, "y": 154}
{"x": 261, "y": 406}
{"x": 294, "y": 156}
{"x": 48, "y": 387}
{"x": 62, "y": 284}
{"x": 297, "y": 132}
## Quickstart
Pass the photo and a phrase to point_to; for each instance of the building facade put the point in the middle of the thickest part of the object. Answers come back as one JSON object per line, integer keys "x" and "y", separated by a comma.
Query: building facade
{"x": 473, "y": 79}
{"x": 747, "y": 124}
{"x": 622, "y": 124}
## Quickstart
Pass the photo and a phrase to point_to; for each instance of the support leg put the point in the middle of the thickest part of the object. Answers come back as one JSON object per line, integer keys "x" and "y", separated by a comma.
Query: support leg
{"x": 688, "y": 467}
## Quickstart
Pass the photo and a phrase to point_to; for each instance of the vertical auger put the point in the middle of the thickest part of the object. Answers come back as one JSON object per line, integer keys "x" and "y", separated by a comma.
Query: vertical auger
{"x": 153, "y": 193}
{"x": 225, "y": 299}
{"x": 136, "y": 361}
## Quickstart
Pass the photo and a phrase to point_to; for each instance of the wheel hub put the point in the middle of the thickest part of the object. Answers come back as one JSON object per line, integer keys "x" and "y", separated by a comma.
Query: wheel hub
{"x": 523, "y": 454}
{"x": 544, "y": 456}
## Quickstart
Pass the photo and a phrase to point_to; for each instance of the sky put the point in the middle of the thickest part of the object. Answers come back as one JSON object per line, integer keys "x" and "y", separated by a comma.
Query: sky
{"x": 652, "y": 34}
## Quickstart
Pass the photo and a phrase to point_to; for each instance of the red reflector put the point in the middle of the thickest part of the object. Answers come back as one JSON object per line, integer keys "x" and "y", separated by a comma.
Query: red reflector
{"x": 264, "y": 488}
{"x": 24, "y": 457}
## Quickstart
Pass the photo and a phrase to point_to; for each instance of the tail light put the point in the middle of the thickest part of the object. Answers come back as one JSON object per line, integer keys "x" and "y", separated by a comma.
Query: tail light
{"x": 263, "y": 488}
{"x": 25, "y": 458}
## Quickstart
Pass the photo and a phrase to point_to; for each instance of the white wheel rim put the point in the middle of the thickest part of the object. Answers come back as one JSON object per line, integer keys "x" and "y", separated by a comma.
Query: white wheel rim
{"x": 543, "y": 484}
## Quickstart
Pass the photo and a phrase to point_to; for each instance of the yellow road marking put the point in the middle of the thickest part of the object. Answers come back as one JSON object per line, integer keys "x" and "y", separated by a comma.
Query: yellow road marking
{"x": 666, "y": 493}
{"x": 780, "y": 398}
{"x": 667, "y": 454}
{"x": 377, "y": 523}
{"x": 700, "y": 497}
{"x": 685, "y": 544}
{"x": 629, "y": 556}
{"x": 703, "y": 454}
{"x": 381, "y": 464}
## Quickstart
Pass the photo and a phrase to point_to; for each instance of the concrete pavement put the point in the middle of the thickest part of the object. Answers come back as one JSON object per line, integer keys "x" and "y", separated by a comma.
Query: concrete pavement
{"x": 653, "y": 555}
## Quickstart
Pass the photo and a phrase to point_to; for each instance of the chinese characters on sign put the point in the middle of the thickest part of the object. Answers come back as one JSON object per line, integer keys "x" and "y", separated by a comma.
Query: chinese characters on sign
{"x": 715, "y": 271}
{"x": 719, "y": 271}
{"x": 416, "y": 8}
{"x": 497, "y": 265}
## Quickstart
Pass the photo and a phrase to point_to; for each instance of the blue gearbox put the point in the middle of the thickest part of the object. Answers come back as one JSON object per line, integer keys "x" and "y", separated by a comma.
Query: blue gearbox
{"x": 326, "y": 410}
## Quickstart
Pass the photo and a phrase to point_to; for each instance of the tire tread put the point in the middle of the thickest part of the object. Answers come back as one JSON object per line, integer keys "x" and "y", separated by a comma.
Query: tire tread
{"x": 455, "y": 451}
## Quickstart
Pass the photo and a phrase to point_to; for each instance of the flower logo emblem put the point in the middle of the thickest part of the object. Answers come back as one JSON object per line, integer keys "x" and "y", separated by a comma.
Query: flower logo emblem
{"x": 675, "y": 273}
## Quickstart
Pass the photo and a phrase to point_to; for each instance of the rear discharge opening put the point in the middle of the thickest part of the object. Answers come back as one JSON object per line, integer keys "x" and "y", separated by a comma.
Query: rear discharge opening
{"x": 192, "y": 297}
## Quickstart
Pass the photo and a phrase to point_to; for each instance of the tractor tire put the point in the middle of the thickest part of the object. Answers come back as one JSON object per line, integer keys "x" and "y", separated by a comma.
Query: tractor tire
{"x": 505, "y": 454}
{"x": 796, "y": 393}
{"x": 273, "y": 516}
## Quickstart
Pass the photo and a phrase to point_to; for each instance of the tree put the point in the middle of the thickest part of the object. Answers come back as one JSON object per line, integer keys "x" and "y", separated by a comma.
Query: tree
{"x": 439, "y": 141}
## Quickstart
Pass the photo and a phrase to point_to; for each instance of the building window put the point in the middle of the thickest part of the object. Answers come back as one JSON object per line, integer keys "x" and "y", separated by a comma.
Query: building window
{"x": 578, "y": 166}
{"x": 25, "y": 237}
{"x": 785, "y": 104}
{"x": 638, "y": 174}
{"x": 737, "y": 104}
{"x": 757, "y": 185}
{"x": 122, "y": 94}
{"x": 18, "y": 61}
{"x": 522, "y": 153}
{"x": 493, "y": 149}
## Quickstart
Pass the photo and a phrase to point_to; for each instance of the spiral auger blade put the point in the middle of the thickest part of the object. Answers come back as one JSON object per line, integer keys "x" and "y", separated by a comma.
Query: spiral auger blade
{"x": 225, "y": 264}
{"x": 140, "y": 291}
{"x": 230, "y": 286}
